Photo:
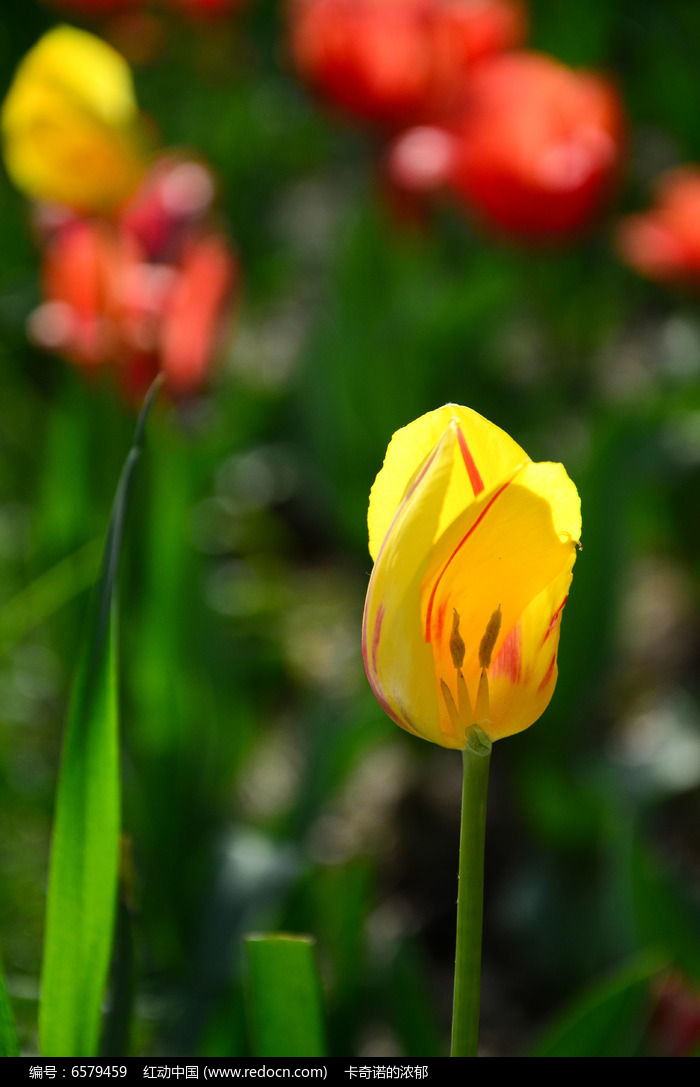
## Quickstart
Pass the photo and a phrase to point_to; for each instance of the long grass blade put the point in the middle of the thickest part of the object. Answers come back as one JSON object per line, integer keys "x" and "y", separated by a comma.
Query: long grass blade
{"x": 85, "y": 845}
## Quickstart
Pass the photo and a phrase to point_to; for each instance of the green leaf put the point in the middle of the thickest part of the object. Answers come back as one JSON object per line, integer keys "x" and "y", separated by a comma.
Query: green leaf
{"x": 607, "y": 1021}
{"x": 8, "y": 1034}
{"x": 85, "y": 846}
{"x": 283, "y": 996}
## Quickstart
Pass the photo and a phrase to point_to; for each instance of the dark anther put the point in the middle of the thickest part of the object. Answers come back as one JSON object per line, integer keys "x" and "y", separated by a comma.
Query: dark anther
{"x": 457, "y": 647}
{"x": 489, "y": 639}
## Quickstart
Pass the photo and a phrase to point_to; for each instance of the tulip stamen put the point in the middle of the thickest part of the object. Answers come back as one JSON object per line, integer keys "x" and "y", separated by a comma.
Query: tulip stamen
{"x": 457, "y": 646}
{"x": 483, "y": 705}
{"x": 463, "y": 699}
{"x": 455, "y": 717}
{"x": 460, "y": 712}
{"x": 489, "y": 639}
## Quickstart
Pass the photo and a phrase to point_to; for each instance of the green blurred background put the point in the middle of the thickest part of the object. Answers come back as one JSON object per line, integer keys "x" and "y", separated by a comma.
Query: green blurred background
{"x": 264, "y": 788}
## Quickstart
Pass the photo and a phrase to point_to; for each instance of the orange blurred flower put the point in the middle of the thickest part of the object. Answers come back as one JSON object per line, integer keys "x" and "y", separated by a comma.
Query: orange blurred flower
{"x": 473, "y": 546}
{"x": 664, "y": 242}
{"x": 533, "y": 149}
{"x": 389, "y": 61}
{"x": 148, "y": 292}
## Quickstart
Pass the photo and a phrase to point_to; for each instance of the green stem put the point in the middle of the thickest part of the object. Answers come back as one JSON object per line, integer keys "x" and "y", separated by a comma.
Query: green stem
{"x": 470, "y": 895}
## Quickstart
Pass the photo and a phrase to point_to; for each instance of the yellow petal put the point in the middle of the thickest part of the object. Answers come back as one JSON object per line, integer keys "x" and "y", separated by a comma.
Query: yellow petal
{"x": 487, "y": 456}
{"x": 398, "y": 661}
{"x": 70, "y": 123}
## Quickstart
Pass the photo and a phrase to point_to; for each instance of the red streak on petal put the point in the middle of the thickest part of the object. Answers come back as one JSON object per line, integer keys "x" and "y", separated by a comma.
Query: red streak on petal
{"x": 553, "y": 620}
{"x": 431, "y": 601}
{"x": 376, "y": 635}
{"x": 474, "y": 476}
{"x": 548, "y": 673}
{"x": 370, "y": 670}
{"x": 440, "y": 622}
{"x": 389, "y": 710}
{"x": 509, "y": 660}
{"x": 373, "y": 680}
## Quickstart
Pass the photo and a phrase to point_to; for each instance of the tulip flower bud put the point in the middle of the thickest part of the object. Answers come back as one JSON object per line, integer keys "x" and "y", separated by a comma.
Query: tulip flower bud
{"x": 473, "y": 546}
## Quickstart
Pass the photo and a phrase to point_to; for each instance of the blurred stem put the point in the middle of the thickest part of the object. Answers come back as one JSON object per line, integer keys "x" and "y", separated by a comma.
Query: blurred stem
{"x": 470, "y": 895}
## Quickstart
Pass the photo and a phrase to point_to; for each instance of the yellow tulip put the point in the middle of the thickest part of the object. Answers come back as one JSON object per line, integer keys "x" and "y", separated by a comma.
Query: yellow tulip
{"x": 70, "y": 123}
{"x": 473, "y": 546}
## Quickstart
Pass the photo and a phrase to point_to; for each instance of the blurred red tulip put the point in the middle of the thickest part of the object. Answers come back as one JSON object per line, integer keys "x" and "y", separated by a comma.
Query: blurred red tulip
{"x": 533, "y": 149}
{"x": 388, "y": 61}
{"x": 367, "y": 57}
{"x": 146, "y": 293}
{"x": 539, "y": 146}
{"x": 664, "y": 243}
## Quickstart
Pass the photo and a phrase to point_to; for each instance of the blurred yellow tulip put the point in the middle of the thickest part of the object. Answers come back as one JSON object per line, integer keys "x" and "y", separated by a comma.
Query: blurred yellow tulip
{"x": 473, "y": 546}
{"x": 70, "y": 123}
